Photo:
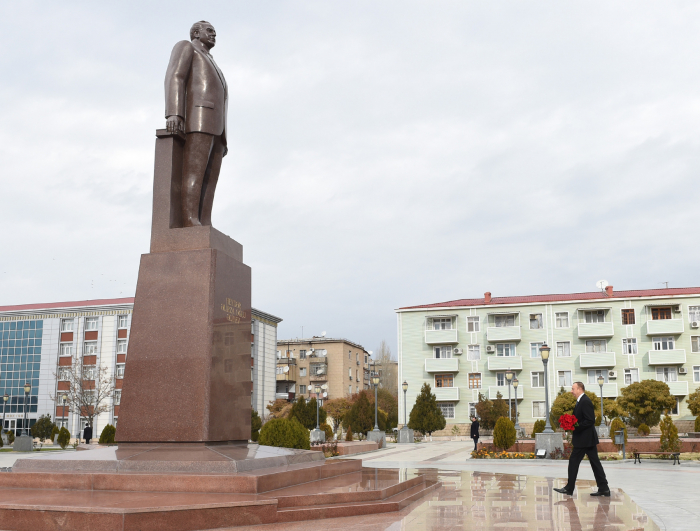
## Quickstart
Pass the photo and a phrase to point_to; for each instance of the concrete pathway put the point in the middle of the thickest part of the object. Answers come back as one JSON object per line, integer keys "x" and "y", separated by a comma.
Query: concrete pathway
{"x": 668, "y": 494}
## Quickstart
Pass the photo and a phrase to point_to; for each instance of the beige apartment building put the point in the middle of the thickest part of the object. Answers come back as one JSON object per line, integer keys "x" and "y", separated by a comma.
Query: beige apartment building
{"x": 338, "y": 366}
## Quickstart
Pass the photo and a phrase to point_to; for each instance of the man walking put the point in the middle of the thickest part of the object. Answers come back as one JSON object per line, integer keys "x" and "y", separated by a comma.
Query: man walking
{"x": 585, "y": 441}
{"x": 475, "y": 431}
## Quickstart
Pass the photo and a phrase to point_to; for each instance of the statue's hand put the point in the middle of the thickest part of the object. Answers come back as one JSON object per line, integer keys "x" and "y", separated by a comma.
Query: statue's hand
{"x": 174, "y": 124}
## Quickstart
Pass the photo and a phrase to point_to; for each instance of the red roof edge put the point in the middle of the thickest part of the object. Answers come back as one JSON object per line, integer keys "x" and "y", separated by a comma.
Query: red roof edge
{"x": 69, "y": 304}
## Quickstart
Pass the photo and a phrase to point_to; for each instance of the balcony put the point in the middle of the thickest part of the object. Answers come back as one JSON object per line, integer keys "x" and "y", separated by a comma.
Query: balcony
{"x": 436, "y": 337}
{"x": 320, "y": 377}
{"x": 589, "y": 360}
{"x": 503, "y": 389}
{"x": 502, "y": 363}
{"x": 503, "y": 333}
{"x": 446, "y": 394}
{"x": 586, "y": 330}
{"x": 442, "y": 365}
{"x": 667, "y": 357}
{"x": 678, "y": 388}
{"x": 284, "y": 396}
{"x": 663, "y": 327}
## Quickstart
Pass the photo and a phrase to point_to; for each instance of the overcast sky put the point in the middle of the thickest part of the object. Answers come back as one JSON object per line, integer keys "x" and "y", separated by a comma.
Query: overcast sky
{"x": 381, "y": 154}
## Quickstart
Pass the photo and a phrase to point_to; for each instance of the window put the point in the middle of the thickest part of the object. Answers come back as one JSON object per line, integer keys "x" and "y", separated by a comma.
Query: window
{"x": 695, "y": 344}
{"x": 474, "y": 380}
{"x": 473, "y": 352}
{"x": 628, "y": 316}
{"x": 279, "y": 354}
{"x": 357, "y": 388}
{"x": 593, "y": 375}
{"x": 122, "y": 320}
{"x": 538, "y": 409}
{"x": 631, "y": 376}
{"x": 66, "y": 349}
{"x": 302, "y": 371}
{"x": 658, "y": 314}
{"x": 537, "y": 379}
{"x": 594, "y": 316}
{"x": 666, "y": 374}
{"x": 448, "y": 409}
{"x": 365, "y": 359}
{"x": 629, "y": 346}
{"x": 563, "y": 349}
{"x": 562, "y": 319}
{"x": 442, "y": 323}
{"x": 90, "y": 347}
{"x": 694, "y": 313}
{"x": 596, "y": 345}
{"x": 66, "y": 325}
{"x": 302, "y": 354}
{"x": 444, "y": 351}
{"x": 91, "y": 323}
{"x": 302, "y": 389}
{"x": 472, "y": 409}
{"x": 696, "y": 373}
{"x": 357, "y": 374}
{"x": 89, "y": 373}
{"x": 472, "y": 324}
{"x": 535, "y": 321}
{"x": 564, "y": 378}
{"x": 89, "y": 397}
{"x": 63, "y": 374}
{"x": 319, "y": 369}
{"x": 674, "y": 410}
{"x": 500, "y": 379}
{"x": 121, "y": 346}
{"x": 444, "y": 380}
{"x": 504, "y": 320}
{"x": 505, "y": 349}
{"x": 120, "y": 370}
{"x": 357, "y": 358}
{"x": 349, "y": 389}
{"x": 663, "y": 343}
{"x": 117, "y": 397}
{"x": 535, "y": 349}
{"x": 350, "y": 373}
{"x": 320, "y": 352}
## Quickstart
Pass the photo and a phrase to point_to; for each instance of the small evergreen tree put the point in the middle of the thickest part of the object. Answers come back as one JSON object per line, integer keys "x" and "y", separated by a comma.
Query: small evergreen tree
{"x": 697, "y": 424}
{"x": 328, "y": 431}
{"x": 360, "y": 418}
{"x": 54, "y": 432}
{"x": 337, "y": 408}
{"x": 538, "y": 427}
{"x": 504, "y": 433}
{"x": 107, "y": 435}
{"x": 643, "y": 429}
{"x": 255, "y": 425}
{"x": 564, "y": 404}
{"x": 305, "y": 413}
{"x": 426, "y": 416}
{"x": 646, "y": 401}
{"x": 10, "y": 437}
{"x": 285, "y": 433}
{"x": 63, "y": 438}
{"x": 348, "y": 435}
{"x": 389, "y": 403}
{"x": 694, "y": 404}
{"x": 42, "y": 428}
{"x": 669, "y": 436}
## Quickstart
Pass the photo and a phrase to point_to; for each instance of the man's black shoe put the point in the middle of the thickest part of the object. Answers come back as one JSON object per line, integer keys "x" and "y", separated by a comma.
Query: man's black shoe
{"x": 564, "y": 491}
{"x": 601, "y": 493}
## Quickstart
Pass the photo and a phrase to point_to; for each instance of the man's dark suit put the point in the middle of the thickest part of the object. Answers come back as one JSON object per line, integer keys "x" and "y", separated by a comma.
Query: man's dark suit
{"x": 196, "y": 91}
{"x": 475, "y": 433}
{"x": 585, "y": 441}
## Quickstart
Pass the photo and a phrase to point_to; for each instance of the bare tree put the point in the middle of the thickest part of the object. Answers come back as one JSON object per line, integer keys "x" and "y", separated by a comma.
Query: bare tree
{"x": 88, "y": 388}
{"x": 388, "y": 368}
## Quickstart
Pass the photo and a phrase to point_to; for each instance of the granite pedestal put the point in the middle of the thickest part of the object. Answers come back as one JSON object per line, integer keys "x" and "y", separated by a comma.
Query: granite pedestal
{"x": 405, "y": 435}
{"x": 603, "y": 431}
{"x": 23, "y": 443}
{"x": 377, "y": 436}
{"x": 549, "y": 442}
{"x": 317, "y": 436}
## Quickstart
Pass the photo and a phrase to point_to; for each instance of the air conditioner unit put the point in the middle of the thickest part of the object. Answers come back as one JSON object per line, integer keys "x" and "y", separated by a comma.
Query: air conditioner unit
{"x": 694, "y": 324}
{"x": 612, "y": 374}
{"x": 490, "y": 348}
{"x": 457, "y": 351}
{"x": 677, "y": 309}
{"x": 533, "y": 315}
{"x": 682, "y": 370}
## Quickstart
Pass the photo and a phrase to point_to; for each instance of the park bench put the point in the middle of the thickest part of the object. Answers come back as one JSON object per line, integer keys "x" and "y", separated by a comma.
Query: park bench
{"x": 674, "y": 455}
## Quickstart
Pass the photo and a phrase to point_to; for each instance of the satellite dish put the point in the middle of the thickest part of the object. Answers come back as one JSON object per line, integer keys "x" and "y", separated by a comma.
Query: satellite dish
{"x": 324, "y": 386}
{"x": 601, "y": 285}
{"x": 286, "y": 368}
{"x": 323, "y": 334}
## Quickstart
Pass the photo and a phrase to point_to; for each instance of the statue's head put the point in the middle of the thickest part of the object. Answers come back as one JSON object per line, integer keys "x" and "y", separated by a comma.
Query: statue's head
{"x": 204, "y": 32}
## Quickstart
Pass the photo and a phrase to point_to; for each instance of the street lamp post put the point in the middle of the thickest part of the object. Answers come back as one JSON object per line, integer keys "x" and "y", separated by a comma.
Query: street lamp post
{"x": 318, "y": 392}
{"x": 5, "y": 398}
{"x": 601, "y": 381}
{"x": 509, "y": 379}
{"x": 375, "y": 381}
{"x": 515, "y": 386}
{"x": 544, "y": 352}
{"x": 404, "y": 386}
{"x": 27, "y": 388}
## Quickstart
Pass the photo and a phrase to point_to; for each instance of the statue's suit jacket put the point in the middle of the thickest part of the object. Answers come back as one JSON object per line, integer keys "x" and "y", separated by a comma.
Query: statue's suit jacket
{"x": 195, "y": 90}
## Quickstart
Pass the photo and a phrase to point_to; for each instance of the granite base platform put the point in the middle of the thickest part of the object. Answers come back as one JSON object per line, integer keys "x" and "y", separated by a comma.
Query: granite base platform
{"x": 43, "y": 495}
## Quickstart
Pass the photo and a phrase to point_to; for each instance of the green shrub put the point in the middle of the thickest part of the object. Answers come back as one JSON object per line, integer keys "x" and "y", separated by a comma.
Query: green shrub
{"x": 348, "y": 435}
{"x": 10, "y": 437}
{"x": 1, "y": 443}
{"x": 328, "y": 431}
{"x": 63, "y": 437}
{"x": 285, "y": 433}
{"x": 305, "y": 413}
{"x": 697, "y": 424}
{"x": 107, "y": 435}
{"x": 54, "y": 432}
{"x": 615, "y": 426}
{"x": 255, "y": 425}
{"x": 598, "y": 420}
{"x": 426, "y": 416}
{"x": 42, "y": 428}
{"x": 669, "y": 436}
{"x": 504, "y": 434}
{"x": 538, "y": 427}
{"x": 643, "y": 429}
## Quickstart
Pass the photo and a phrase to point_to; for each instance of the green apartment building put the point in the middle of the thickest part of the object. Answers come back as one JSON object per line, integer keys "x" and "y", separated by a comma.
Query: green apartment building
{"x": 464, "y": 347}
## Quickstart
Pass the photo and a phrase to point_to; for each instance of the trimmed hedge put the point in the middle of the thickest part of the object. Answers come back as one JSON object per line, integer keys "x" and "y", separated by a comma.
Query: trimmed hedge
{"x": 504, "y": 434}
{"x": 107, "y": 435}
{"x": 63, "y": 437}
{"x": 538, "y": 427}
{"x": 643, "y": 429}
{"x": 255, "y": 425}
{"x": 285, "y": 433}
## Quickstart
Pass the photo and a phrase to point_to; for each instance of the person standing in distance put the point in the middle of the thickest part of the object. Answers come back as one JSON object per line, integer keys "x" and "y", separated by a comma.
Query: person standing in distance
{"x": 474, "y": 434}
{"x": 196, "y": 103}
{"x": 585, "y": 442}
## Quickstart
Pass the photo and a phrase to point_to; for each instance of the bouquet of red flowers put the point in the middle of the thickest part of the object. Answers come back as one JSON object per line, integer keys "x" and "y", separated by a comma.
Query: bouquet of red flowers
{"x": 568, "y": 422}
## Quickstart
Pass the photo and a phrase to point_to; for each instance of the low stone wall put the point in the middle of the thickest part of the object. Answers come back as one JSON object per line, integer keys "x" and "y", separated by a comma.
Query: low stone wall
{"x": 349, "y": 448}
{"x": 640, "y": 444}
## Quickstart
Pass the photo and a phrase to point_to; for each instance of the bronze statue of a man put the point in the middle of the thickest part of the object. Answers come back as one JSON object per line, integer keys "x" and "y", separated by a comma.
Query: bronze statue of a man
{"x": 196, "y": 103}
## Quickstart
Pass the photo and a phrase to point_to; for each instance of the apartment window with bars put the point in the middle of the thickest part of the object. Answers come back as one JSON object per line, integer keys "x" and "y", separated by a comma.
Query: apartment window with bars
{"x": 472, "y": 324}
{"x": 443, "y": 351}
{"x": 535, "y": 321}
{"x": 120, "y": 370}
{"x": 66, "y": 325}
{"x": 121, "y": 346}
{"x": 628, "y": 316}
{"x": 89, "y": 373}
{"x": 122, "y": 320}
{"x": 694, "y": 313}
{"x": 117, "y": 397}
{"x": 448, "y": 409}
{"x": 474, "y": 380}
{"x": 562, "y": 319}
{"x": 663, "y": 343}
{"x": 90, "y": 347}
{"x": 64, "y": 374}
{"x": 66, "y": 349}
{"x": 629, "y": 346}
{"x": 473, "y": 352}
{"x": 658, "y": 314}
{"x": 91, "y": 323}
{"x": 563, "y": 349}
